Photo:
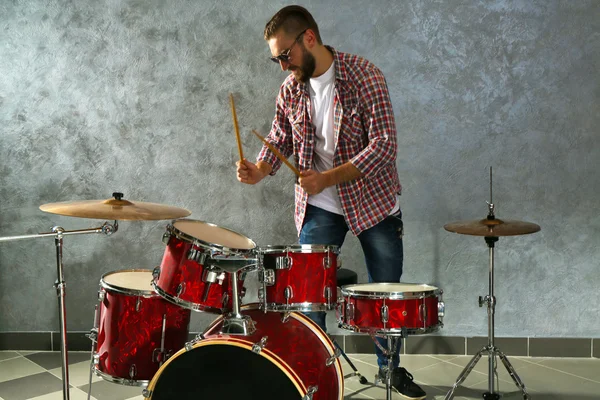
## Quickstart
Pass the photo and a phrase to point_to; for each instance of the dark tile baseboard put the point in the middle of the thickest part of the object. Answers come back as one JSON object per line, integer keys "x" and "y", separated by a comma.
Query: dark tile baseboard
{"x": 359, "y": 344}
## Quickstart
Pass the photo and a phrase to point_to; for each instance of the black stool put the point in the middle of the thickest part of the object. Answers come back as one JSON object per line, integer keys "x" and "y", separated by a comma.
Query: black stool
{"x": 346, "y": 277}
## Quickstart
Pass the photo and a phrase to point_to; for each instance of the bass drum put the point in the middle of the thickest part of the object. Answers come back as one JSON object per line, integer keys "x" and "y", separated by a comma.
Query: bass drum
{"x": 287, "y": 357}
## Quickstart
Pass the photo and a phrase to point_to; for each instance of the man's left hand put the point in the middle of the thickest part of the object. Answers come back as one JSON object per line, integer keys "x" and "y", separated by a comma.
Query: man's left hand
{"x": 313, "y": 182}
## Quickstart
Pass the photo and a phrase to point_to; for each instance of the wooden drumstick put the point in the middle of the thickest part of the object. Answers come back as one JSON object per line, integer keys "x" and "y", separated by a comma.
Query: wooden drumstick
{"x": 236, "y": 127}
{"x": 277, "y": 153}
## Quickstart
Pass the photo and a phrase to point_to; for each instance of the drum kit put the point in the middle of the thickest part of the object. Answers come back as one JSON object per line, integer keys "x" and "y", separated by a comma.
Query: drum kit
{"x": 269, "y": 348}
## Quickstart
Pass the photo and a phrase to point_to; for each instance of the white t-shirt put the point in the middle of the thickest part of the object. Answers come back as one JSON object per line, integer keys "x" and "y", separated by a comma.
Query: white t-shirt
{"x": 322, "y": 113}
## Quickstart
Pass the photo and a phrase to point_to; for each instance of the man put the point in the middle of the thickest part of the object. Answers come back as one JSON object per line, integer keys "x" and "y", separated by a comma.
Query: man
{"x": 334, "y": 115}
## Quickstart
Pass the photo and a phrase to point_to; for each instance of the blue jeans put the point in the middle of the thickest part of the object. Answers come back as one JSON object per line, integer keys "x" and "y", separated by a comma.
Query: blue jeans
{"x": 382, "y": 248}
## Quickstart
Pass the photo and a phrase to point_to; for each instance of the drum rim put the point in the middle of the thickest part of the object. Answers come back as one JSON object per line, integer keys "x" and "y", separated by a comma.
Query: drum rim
{"x": 173, "y": 230}
{"x": 304, "y": 248}
{"x": 348, "y": 290}
{"x": 127, "y": 291}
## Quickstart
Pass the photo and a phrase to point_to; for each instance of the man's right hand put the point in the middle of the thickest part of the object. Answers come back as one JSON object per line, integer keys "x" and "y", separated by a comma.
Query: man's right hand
{"x": 250, "y": 173}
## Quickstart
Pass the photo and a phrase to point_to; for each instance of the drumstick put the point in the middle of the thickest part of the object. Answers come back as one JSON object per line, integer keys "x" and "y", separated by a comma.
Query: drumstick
{"x": 277, "y": 153}
{"x": 236, "y": 127}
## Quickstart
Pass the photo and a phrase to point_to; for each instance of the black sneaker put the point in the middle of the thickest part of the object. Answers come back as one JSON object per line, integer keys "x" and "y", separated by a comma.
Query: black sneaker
{"x": 402, "y": 382}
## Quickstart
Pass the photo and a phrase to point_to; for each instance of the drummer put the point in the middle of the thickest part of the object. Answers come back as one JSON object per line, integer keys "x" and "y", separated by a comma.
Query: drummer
{"x": 334, "y": 114}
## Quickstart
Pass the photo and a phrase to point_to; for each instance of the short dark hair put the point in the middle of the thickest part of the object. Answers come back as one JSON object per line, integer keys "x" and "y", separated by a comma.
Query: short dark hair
{"x": 292, "y": 20}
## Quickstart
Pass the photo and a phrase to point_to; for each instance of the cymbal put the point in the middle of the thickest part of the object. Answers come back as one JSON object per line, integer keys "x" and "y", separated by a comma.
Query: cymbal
{"x": 492, "y": 227}
{"x": 115, "y": 209}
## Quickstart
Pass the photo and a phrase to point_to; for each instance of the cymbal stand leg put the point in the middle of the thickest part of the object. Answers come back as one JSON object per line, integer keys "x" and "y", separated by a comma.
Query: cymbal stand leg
{"x": 513, "y": 374}
{"x": 465, "y": 372}
{"x": 60, "y": 291}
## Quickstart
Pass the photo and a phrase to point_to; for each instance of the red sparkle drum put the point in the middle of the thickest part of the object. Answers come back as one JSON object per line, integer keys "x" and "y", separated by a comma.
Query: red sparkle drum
{"x": 287, "y": 357}
{"x": 387, "y": 308}
{"x": 298, "y": 277}
{"x": 137, "y": 330}
{"x": 189, "y": 274}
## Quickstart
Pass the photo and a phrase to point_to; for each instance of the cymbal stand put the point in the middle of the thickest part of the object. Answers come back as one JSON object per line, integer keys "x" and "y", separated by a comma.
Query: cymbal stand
{"x": 491, "y": 349}
{"x": 58, "y": 233}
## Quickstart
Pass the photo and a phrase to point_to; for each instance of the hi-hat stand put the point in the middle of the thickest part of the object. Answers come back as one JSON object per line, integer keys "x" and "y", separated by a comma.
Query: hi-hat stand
{"x": 58, "y": 233}
{"x": 490, "y": 349}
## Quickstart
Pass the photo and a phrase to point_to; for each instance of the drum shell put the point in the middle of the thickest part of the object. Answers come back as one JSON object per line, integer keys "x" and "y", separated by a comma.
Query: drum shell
{"x": 181, "y": 279}
{"x": 297, "y": 346}
{"x": 131, "y": 328}
{"x": 413, "y": 314}
{"x": 310, "y": 278}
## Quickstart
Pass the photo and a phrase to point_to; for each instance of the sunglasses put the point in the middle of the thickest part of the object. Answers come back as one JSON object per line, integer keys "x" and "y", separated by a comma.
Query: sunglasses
{"x": 285, "y": 55}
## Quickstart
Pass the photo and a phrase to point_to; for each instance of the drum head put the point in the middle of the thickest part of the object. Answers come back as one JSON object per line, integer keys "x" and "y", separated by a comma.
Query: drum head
{"x": 212, "y": 236}
{"x": 224, "y": 372}
{"x": 390, "y": 290}
{"x": 136, "y": 282}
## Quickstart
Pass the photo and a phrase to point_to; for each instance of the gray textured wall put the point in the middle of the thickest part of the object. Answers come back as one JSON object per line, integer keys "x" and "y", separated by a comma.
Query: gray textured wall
{"x": 99, "y": 96}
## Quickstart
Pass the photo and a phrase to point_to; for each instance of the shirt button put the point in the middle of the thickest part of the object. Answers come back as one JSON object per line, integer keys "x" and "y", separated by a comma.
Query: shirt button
{"x": 310, "y": 141}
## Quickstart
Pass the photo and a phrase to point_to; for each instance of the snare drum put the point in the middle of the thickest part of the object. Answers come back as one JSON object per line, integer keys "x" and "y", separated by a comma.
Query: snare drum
{"x": 137, "y": 330}
{"x": 189, "y": 275}
{"x": 298, "y": 277}
{"x": 287, "y": 357}
{"x": 387, "y": 308}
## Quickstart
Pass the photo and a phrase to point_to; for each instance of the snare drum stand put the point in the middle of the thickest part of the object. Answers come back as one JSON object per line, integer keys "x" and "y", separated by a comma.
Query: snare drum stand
{"x": 491, "y": 349}
{"x": 58, "y": 233}
{"x": 392, "y": 342}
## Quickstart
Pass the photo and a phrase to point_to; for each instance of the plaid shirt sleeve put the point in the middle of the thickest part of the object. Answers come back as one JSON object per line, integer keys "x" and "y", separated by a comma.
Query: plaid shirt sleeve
{"x": 280, "y": 135}
{"x": 379, "y": 124}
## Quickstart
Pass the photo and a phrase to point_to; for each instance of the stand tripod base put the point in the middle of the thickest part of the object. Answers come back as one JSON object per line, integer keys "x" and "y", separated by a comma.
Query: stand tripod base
{"x": 492, "y": 352}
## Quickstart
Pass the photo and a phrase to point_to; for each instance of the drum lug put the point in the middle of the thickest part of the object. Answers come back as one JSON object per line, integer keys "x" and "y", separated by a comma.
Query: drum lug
{"x": 96, "y": 359}
{"x": 101, "y": 295}
{"x": 350, "y": 311}
{"x": 285, "y": 317}
{"x": 138, "y": 304}
{"x": 327, "y": 261}
{"x": 385, "y": 314}
{"x": 147, "y": 393}
{"x": 180, "y": 289}
{"x": 336, "y": 354}
{"x": 257, "y": 347}
{"x": 288, "y": 293}
{"x": 311, "y": 390}
{"x": 283, "y": 262}
{"x": 197, "y": 256}
{"x": 423, "y": 313}
{"x": 132, "y": 371}
{"x": 166, "y": 237}
{"x": 225, "y": 299}
{"x": 441, "y": 310}
{"x": 156, "y": 273}
{"x": 190, "y": 345}
{"x": 327, "y": 294}
{"x": 267, "y": 276}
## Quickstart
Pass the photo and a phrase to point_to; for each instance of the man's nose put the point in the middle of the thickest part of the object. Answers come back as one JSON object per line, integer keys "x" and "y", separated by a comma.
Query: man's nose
{"x": 284, "y": 65}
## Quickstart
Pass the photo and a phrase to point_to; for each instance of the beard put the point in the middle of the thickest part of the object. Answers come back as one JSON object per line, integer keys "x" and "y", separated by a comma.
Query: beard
{"x": 306, "y": 69}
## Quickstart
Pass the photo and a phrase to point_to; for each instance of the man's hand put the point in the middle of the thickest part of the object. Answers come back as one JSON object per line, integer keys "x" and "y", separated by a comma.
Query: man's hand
{"x": 250, "y": 173}
{"x": 313, "y": 182}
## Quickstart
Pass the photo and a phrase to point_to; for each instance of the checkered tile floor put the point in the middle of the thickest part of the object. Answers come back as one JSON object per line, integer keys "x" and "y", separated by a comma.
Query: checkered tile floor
{"x": 37, "y": 375}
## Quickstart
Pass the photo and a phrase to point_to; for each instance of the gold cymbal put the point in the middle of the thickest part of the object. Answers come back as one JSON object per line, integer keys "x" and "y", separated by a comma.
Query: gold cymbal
{"x": 492, "y": 227}
{"x": 115, "y": 209}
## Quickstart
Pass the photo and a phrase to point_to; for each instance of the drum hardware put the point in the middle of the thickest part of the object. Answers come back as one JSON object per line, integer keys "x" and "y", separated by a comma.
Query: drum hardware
{"x": 257, "y": 347}
{"x": 284, "y": 262}
{"x": 335, "y": 356}
{"x": 491, "y": 229}
{"x": 235, "y": 323}
{"x": 197, "y": 255}
{"x": 355, "y": 372}
{"x": 327, "y": 294}
{"x": 311, "y": 391}
{"x": 286, "y": 316}
{"x": 132, "y": 372}
{"x": 189, "y": 345}
{"x": 392, "y": 345}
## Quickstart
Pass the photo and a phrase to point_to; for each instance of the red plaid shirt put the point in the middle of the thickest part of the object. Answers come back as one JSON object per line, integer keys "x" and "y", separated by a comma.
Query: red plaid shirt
{"x": 365, "y": 135}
